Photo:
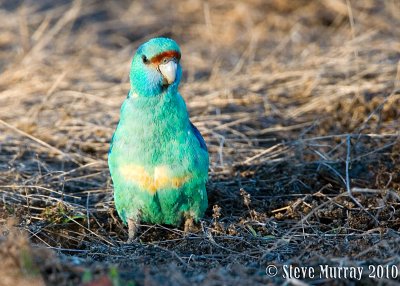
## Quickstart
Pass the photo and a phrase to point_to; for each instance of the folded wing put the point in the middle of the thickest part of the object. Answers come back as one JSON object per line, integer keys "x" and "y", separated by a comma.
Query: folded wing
{"x": 199, "y": 137}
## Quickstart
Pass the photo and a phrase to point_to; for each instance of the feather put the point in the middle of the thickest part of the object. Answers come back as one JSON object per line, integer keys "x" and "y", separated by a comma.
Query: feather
{"x": 199, "y": 137}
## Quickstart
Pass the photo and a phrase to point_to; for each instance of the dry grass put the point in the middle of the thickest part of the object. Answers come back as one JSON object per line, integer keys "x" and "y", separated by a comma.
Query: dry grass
{"x": 299, "y": 103}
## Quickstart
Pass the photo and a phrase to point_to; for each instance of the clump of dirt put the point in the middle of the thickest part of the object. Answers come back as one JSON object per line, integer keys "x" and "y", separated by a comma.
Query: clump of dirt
{"x": 20, "y": 262}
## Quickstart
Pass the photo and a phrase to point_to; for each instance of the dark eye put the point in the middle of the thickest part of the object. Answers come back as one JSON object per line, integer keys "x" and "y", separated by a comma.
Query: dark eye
{"x": 145, "y": 59}
{"x": 165, "y": 60}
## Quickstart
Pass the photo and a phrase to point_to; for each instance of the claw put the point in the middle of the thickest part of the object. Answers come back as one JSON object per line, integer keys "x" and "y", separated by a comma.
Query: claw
{"x": 133, "y": 226}
{"x": 188, "y": 225}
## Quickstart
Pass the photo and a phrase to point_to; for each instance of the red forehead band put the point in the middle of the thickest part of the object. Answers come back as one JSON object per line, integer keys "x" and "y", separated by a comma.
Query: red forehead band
{"x": 167, "y": 54}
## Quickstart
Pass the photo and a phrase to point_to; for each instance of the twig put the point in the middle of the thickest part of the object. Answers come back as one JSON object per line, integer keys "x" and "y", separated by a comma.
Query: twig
{"x": 348, "y": 181}
{"x": 37, "y": 140}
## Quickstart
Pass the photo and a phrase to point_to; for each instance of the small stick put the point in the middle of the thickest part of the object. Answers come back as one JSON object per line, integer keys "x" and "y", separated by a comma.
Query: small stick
{"x": 348, "y": 181}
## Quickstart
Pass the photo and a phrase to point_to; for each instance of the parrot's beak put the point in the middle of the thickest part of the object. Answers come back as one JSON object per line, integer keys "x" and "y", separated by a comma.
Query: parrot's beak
{"x": 168, "y": 70}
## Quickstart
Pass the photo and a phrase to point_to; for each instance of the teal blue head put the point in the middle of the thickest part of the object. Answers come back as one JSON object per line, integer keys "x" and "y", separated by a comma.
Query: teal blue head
{"x": 156, "y": 67}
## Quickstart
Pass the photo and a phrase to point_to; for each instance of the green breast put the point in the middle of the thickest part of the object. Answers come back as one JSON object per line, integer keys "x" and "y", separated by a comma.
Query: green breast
{"x": 157, "y": 165}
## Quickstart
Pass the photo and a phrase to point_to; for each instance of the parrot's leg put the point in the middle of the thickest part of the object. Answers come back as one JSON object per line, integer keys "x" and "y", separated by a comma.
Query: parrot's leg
{"x": 188, "y": 225}
{"x": 133, "y": 226}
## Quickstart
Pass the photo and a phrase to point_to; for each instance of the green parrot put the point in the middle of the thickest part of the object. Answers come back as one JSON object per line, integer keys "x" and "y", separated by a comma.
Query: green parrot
{"x": 158, "y": 160}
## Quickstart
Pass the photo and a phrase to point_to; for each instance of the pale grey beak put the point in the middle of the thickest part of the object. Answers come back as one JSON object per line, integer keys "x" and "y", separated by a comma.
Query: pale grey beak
{"x": 168, "y": 70}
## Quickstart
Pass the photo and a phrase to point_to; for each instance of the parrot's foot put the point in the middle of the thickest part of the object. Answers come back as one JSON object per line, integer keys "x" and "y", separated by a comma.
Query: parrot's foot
{"x": 133, "y": 226}
{"x": 188, "y": 225}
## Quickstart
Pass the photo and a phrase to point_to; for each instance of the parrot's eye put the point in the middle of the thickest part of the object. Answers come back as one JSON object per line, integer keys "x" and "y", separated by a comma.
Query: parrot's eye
{"x": 145, "y": 59}
{"x": 165, "y": 60}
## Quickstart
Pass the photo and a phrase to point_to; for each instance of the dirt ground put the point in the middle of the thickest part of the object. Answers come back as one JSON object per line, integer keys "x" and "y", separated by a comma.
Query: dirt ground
{"x": 298, "y": 101}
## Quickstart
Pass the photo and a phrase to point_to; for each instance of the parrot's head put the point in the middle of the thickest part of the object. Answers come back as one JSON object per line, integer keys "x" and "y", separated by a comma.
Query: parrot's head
{"x": 155, "y": 67}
